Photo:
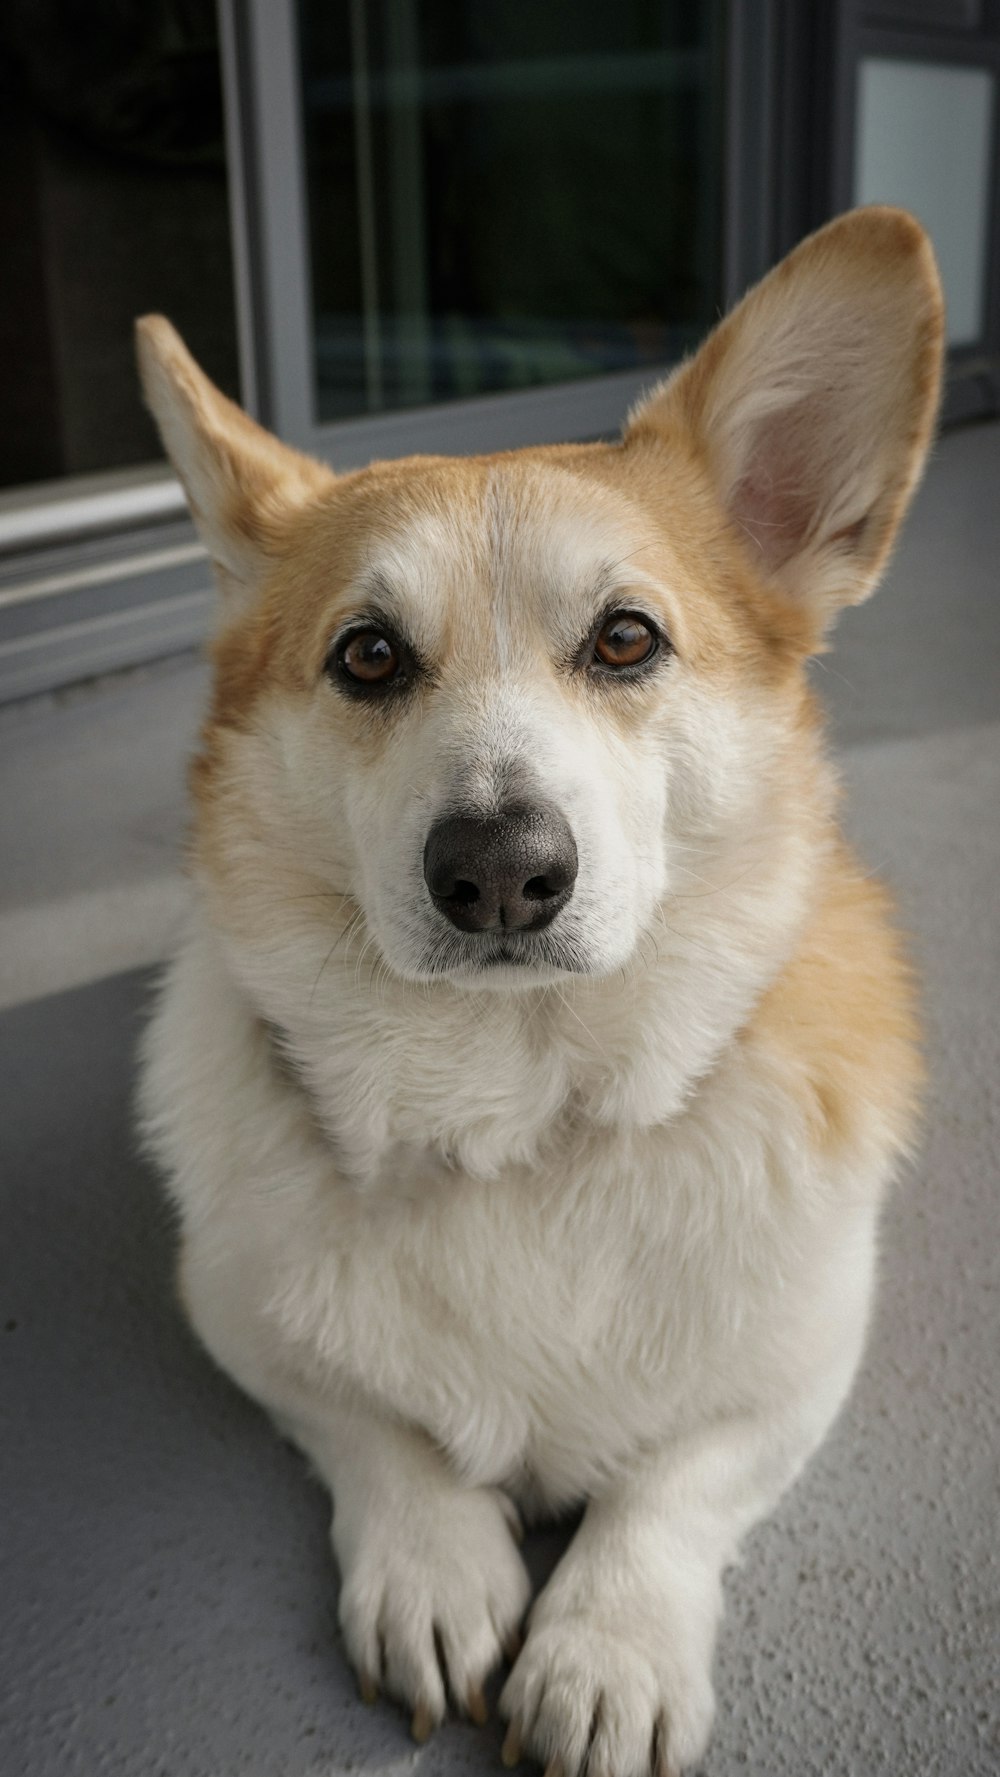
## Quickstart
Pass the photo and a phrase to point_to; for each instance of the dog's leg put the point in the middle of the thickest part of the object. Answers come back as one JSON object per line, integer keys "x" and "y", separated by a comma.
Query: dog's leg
{"x": 615, "y": 1674}
{"x": 432, "y": 1585}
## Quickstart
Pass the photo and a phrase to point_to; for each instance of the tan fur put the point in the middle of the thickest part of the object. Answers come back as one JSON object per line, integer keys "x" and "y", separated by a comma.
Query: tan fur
{"x": 842, "y": 1017}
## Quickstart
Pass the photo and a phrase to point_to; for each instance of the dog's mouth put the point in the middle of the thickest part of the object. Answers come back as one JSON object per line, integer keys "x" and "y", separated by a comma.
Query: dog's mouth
{"x": 528, "y": 954}
{"x": 499, "y": 954}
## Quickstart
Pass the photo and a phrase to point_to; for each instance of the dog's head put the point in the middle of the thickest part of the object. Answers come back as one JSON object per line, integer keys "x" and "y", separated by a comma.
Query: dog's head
{"x": 499, "y": 710}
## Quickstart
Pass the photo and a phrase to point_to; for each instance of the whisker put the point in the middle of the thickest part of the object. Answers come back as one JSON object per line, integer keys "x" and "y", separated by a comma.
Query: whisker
{"x": 720, "y": 888}
{"x": 346, "y": 935}
{"x": 585, "y": 1028}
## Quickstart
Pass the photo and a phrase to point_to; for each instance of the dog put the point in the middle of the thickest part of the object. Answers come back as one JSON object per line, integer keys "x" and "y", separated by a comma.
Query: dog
{"x": 530, "y": 1075}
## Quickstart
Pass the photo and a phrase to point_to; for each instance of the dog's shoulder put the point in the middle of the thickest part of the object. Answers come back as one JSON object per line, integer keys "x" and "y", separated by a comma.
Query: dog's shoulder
{"x": 841, "y": 1021}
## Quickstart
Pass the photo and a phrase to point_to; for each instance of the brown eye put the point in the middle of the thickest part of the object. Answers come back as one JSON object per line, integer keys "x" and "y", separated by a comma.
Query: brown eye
{"x": 369, "y": 658}
{"x": 625, "y": 641}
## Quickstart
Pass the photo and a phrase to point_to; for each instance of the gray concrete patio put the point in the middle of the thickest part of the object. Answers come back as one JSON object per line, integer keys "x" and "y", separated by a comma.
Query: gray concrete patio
{"x": 168, "y": 1600}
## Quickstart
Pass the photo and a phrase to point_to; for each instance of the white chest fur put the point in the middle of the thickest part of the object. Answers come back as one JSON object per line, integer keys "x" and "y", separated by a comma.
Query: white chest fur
{"x": 583, "y": 1290}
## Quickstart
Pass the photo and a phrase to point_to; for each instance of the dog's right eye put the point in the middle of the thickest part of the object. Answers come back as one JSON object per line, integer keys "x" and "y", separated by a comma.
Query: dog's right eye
{"x": 366, "y": 659}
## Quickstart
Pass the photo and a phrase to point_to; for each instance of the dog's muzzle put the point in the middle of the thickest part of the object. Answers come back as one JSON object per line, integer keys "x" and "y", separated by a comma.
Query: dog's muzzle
{"x": 510, "y": 873}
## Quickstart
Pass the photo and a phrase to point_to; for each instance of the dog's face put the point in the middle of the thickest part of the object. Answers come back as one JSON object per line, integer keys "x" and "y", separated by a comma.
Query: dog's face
{"x": 508, "y": 707}
{"x": 493, "y": 678}
{"x": 490, "y": 680}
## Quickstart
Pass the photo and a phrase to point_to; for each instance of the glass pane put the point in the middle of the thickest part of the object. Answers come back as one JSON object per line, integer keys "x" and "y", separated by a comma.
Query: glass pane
{"x": 923, "y": 141}
{"x": 112, "y": 202}
{"x": 505, "y": 193}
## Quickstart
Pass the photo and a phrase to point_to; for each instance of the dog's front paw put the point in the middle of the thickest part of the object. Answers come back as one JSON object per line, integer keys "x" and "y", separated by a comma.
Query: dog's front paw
{"x": 429, "y": 1603}
{"x": 609, "y": 1696}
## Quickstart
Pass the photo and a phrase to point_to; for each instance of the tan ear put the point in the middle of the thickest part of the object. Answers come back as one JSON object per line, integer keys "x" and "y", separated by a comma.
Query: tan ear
{"x": 814, "y": 401}
{"x": 240, "y": 481}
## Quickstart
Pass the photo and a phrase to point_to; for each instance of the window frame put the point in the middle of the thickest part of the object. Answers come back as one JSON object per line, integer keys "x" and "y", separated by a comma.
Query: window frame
{"x": 829, "y": 41}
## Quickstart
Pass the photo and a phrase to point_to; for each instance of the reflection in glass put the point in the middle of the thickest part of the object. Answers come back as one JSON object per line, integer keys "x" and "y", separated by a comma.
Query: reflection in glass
{"x": 504, "y": 193}
{"x": 112, "y": 202}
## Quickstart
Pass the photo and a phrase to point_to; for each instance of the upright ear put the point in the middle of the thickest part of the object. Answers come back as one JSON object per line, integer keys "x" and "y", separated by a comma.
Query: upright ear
{"x": 813, "y": 404}
{"x": 240, "y": 481}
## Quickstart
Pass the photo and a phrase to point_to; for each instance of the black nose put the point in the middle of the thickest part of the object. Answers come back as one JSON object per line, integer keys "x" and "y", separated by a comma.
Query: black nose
{"x": 509, "y": 874}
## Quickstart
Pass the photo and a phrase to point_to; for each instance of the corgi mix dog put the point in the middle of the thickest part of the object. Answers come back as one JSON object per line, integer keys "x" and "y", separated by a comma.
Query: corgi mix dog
{"x": 530, "y": 1075}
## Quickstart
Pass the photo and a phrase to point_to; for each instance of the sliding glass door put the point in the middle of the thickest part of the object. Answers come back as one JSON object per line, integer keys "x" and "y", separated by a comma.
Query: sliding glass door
{"x": 506, "y": 196}
{"x": 483, "y": 223}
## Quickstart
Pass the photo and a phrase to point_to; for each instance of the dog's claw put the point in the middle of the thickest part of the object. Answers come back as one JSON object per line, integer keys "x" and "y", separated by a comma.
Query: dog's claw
{"x": 555, "y": 1767}
{"x": 510, "y": 1752}
{"x": 513, "y": 1645}
{"x": 475, "y": 1704}
{"x": 367, "y": 1688}
{"x": 422, "y": 1725}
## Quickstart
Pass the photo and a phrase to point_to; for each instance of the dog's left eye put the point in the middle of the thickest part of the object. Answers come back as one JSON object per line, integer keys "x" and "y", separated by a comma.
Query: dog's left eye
{"x": 625, "y": 640}
{"x": 368, "y": 658}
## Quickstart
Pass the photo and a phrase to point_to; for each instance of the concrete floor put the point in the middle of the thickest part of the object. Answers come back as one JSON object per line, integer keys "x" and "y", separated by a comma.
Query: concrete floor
{"x": 168, "y": 1597}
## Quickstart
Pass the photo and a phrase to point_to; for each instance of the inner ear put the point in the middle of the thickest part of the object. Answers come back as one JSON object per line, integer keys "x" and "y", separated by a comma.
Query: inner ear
{"x": 812, "y": 405}
{"x": 782, "y": 493}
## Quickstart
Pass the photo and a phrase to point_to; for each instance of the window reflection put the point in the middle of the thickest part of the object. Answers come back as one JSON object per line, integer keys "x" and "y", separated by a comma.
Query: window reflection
{"x": 504, "y": 194}
{"x": 113, "y": 201}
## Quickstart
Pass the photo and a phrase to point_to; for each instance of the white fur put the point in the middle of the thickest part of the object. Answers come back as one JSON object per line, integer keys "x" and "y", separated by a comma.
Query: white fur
{"x": 661, "y": 1320}
{"x": 555, "y": 1241}
{"x": 544, "y": 1235}
{"x": 577, "y": 1235}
